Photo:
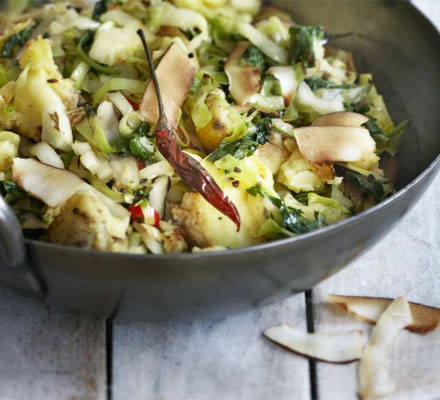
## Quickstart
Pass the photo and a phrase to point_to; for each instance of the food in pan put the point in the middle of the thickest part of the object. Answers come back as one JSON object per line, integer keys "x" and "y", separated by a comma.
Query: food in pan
{"x": 271, "y": 132}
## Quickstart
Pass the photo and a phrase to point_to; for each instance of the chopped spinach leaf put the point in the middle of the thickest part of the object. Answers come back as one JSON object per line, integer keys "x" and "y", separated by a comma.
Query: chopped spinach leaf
{"x": 385, "y": 141}
{"x": 133, "y": 145}
{"x": 303, "y": 42}
{"x": 259, "y": 133}
{"x": 262, "y": 130}
{"x": 357, "y": 107}
{"x": 254, "y": 56}
{"x": 190, "y": 33}
{"x": 295, "y": 222}
{"x": 9, "y": 187}
{"x": 12, "y": 192}
{"x": 138, "y": 149}
{"x": 292, "y": 220}
{"x": 101, "y": 7}
{"x": 302, "y": 197}
{"x": 369, "y": 183}
{"x": 143, "y": 129}
{"x": 17, "y": 40}
{"x": 318, "y": 83}
{"x": 239, "y": 149}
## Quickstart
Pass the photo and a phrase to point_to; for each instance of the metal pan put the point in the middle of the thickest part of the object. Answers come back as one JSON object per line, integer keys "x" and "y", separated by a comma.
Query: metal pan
{"x": 389, "y": 38}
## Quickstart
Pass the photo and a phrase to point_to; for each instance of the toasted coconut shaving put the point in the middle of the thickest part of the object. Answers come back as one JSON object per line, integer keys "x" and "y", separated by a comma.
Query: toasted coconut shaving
{"x": 369, "y": 309}
{"x": 374, "y": 378}
{"x": 51, "y": 185}
{"x": 174, "y": 64}
{"x": 288, "y": 82}
{"x": 335, "y": 348}
{"x": 341, "y": 118}
{"x": 334, "y": 143}
{"x": 244, "y": 79}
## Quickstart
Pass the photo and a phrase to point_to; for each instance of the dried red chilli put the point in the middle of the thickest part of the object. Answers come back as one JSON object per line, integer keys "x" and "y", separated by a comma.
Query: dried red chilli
{"x": 137, "y": 215}
{"x": 156, "y": 219}
{"x": 134, "y": 105}
{"x": 190, "y": 171}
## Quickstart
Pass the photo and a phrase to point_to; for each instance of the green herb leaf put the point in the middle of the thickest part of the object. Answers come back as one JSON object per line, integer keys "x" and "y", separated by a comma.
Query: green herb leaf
{"x": 138, "y": 150}
{"x": 17, "y": 40}
{"x": 370, "y": 183}
{"x": 100, "y": 8}
{"x": 259, "y": 133}
{"x": 190, "y": 33}
{"x": 9, "y": 187}
{"x": 319, "y": 83}
{"x": 292, "y": 219}
{"x": 132, "y": 144}
{"x": 254, "y": 56}
{"x": 239, "y": 149}
{"x": 357, "y": 107}
{"x": 303, "y": 42}
{"x": 386, "y": 141}
{"x": 12, "y": 192}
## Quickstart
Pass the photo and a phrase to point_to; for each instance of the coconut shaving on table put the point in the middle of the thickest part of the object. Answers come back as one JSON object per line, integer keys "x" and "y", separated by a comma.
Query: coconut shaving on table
{"x": 285, "y": 129}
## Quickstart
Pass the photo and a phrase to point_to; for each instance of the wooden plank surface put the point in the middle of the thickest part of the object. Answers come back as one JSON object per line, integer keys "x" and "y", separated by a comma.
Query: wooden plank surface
{"x": 405, "y": 263}
{"x": 222, "y": 360}
{"x": 48, "y": 355}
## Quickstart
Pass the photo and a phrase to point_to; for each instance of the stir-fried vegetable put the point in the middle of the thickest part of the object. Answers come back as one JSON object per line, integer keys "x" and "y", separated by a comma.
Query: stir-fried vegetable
{"x": 237, "y": 128}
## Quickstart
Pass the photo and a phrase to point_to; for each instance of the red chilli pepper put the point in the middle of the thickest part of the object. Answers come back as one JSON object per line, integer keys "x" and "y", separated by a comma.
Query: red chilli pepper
{"x": 141, "y": 165}
{"x": 190, "y": 171}
{"x": 194, "y": 175}
{"x": 133, "y": 104}
{"x": 156, "y": 219}
{"x": 137, "y": 215}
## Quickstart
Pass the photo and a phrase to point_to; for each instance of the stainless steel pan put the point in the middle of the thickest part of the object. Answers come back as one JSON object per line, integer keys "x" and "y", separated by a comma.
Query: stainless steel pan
{"x": 389, "y": 38}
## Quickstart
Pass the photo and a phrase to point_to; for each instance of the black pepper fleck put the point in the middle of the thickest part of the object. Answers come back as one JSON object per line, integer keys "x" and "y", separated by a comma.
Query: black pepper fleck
{"x": 76, "y": 211}
{"x": 237, "y": 170}
{"x": 235, "y": 183}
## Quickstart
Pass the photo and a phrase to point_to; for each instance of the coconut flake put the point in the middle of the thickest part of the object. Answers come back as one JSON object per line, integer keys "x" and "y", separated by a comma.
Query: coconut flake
{"x": 52, "y": 185}
{"x": 374, "y": 378}
{"x": 335, "y": 348}
{"x": 334, "y": 143}
{"x": 47, "y": 155}
{"x": 288, "y": 81}
{"x": 244, "y": 80}
{"x": 369, "y": 309}
{"x": 341, "y": 118}
{"x": 176, "y": 75}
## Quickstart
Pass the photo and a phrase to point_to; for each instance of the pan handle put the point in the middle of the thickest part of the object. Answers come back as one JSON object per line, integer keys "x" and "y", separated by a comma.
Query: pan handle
{"x": 15, "y": 269}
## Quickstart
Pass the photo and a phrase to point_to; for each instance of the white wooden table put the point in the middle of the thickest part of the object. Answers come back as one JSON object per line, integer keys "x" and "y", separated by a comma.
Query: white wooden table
{"x": 48, "y": 355}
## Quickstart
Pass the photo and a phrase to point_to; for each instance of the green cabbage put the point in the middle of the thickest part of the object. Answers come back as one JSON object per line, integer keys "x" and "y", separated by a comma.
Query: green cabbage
{"x": 132, "y": 86}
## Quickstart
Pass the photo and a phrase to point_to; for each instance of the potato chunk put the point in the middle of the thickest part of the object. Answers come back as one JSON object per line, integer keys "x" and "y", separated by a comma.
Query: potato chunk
{"x": 84, "y": 221}
{"x": 204, "y": 226}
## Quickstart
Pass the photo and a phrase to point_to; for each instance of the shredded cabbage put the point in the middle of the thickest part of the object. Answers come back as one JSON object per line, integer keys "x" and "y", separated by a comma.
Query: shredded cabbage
{"x": 72, "y": 96}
